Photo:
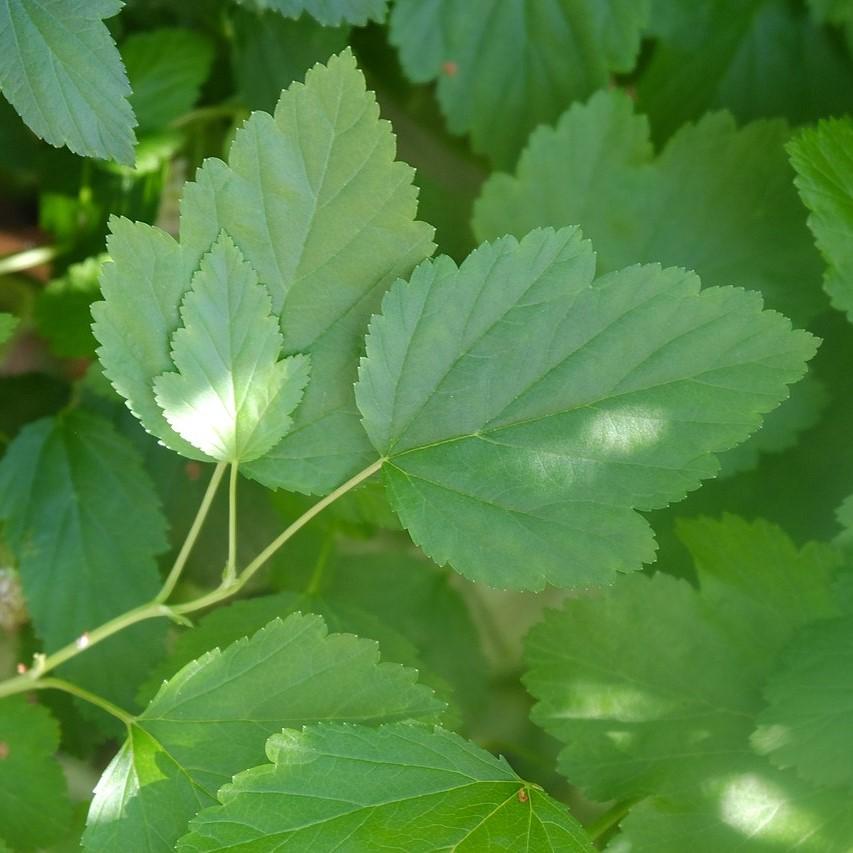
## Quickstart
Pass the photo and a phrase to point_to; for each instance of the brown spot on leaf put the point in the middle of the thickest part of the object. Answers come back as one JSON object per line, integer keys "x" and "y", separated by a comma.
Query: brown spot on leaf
{"x": 449, "y": 67}
{"x": 192, "y": 470}
{"x": 522, "y": 795}
{"x": 4, "y": 750}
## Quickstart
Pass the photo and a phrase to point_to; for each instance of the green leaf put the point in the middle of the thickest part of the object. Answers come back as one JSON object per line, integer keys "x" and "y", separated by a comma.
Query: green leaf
{"x": 166, "y": 68}
{"x": 834, "y": 11}
{"x": 232, "y": 396}
{"x": 270, "y": 52}
{"x": 330, "y": 13}
{"x": 426, "y": 789}
{"x": 744, "y": 806}
{"x": 808, "y": 723}
{"x": 84, "y": 524}
{"x": 324, "y": 216}
{"x": 34, "y": 806}
{"x": 824, "y": 167}
{"x": 211, "y": 720}
{"x": 716, "y": 199}
{"x": 757, "y": 58}
{"x": 519, "y": 395}
{"x": 60, "y": 69}
{"x": 616, "y": 674}
{"x": 506, "y": 66}
{"x": 63, "y": 310}
{"x": 8, "y": 323}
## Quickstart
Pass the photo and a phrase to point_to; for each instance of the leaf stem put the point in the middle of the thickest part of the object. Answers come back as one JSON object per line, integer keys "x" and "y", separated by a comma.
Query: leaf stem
{"x": 27, "y": 259}
{"x": 613, "y": 816}
{"x": 33, "y": 679}
{"x": 91, "y": 698}
{"x": 230, "y": 573}
{"x": 195, "y": 529}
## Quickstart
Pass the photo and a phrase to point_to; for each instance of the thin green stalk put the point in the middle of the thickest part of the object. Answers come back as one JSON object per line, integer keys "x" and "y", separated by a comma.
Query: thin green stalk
{"x": 613, "y": 816}
{"x": 230, "y": 573}
{"x": 27, "y": 259}
{"x": 181, "y": 560}
{"x": 91, "y": 698}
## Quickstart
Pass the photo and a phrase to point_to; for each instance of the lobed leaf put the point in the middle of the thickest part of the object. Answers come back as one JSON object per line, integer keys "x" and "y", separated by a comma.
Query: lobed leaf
{"x": 426, "y": 790}
{"x": 520, "y": 395}
{"x": 506, "y": 66}
{"x": 84, "y": 524}
{"x": 824, "y": 167}
{"x": 231, "y": 396}
{"x": 34, "y": 806}
{"x": 330, "y": 13}
{"x": 211, "y": 720}
{"x": 60, "y": 69}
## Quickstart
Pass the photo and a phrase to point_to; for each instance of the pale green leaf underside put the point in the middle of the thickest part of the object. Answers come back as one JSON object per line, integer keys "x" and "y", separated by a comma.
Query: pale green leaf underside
{"x": 60, "y": 69}
{"x": 823, "y": 158}
{"x": 330, "y": 13}
{"x": 716, "y": 199}
{"x": 211, "y": 720}
{"x": 84, "y": 522}
{"x": 808, "y": 723}
{"x": 8, "y": 322}
{"x": 324, "y": 216}
{"x": 166, "y": 68}
{"x": 231, "y": 396}
{"x": 520, "y": 395}
{"x": 506, "y": 66}
{"x": 398, "y": 787}
{"x": 34, "y": 807}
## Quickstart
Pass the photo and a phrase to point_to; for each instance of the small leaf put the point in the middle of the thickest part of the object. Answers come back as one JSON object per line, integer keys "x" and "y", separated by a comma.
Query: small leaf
{"x": 519, "y": 395}
{"x": 808, "y": 723}
{"x": 330, "y": 13}
{"x": 232, "y": 396}
{"x": 60, "y": 69}
{"x": 426, "y": 790}
{"x": 166, "y": 68}
{"x": 34, "y": 806}
{"x": 211, "y": 720}
{"x": 506, "y": 66}
{"x": 84, "y": 524}
{"x": 824, "y": 167}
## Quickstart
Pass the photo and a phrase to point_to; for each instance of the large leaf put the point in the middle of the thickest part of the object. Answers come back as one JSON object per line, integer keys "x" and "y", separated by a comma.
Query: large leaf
{"x": 232, "y": 396}
{"x": 506, "y": 66}
{"x": 211, "y": 720}
{"x": 426, "y": 790}
{"x": 716, "y": 199}
{"x": 757, "y": 58}
{"x": 60, "y": 69}
{"x": 824, "y": 163}
{"x": 166, "y": 68}
{"x": 84, "y": 523}
{"x": 520, "y": 395}
{"x": 653, "y": 686}
{"x": 324, "y": 216}
{"x": 808, "y": 723}
{"x": 330, "y": 13}
{"x": 34, "y": 807}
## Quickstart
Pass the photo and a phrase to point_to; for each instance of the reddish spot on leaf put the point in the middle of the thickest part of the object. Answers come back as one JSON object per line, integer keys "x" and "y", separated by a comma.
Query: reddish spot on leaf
{"x": 522, "y": 795}
{"x": 4, "y": 750}
{"x": 449, "y": 68}
{"x": 21, "y": 668}
{"x": 192, "y": 470}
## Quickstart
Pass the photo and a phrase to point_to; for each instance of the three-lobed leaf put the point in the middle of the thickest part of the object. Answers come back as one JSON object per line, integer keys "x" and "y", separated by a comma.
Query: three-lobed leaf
{"x": 60, "y": 69}
{"x": 324, "y": 216}
{"x": 519, "y": 394}
{"x": 232, "y": 395}
{"x": 425, "y": 790}
{"x": 211, "y": 720}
